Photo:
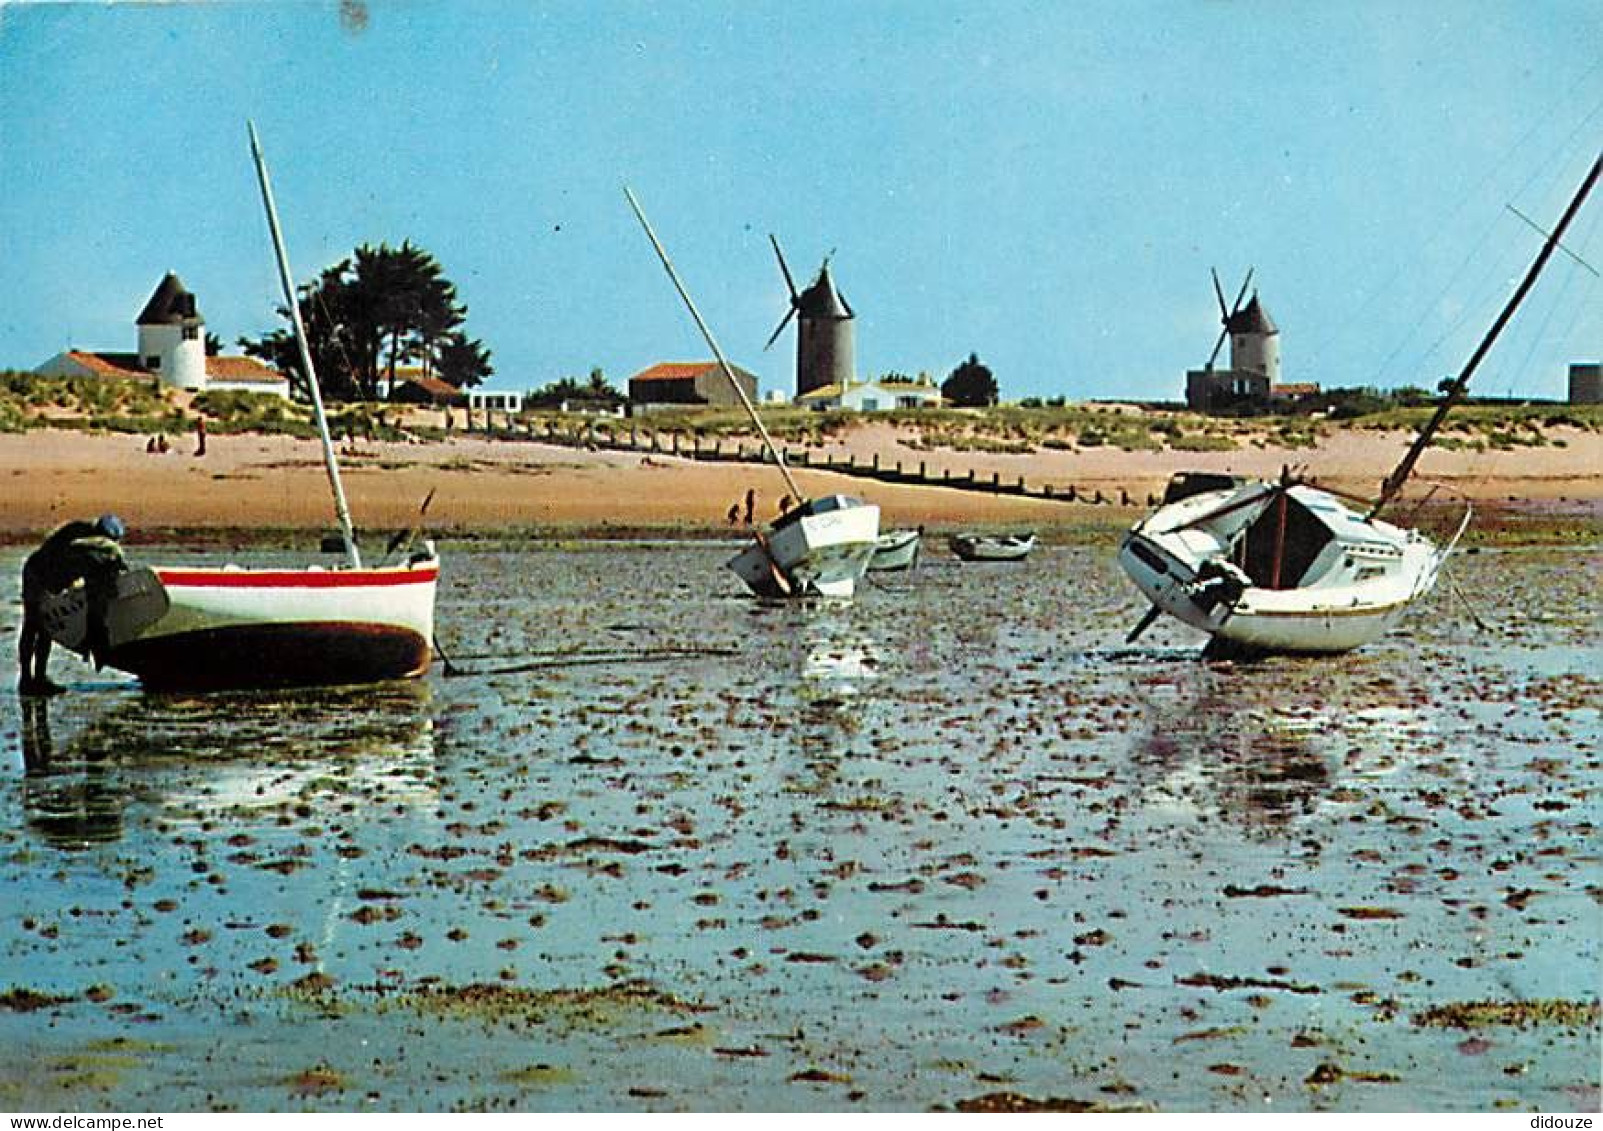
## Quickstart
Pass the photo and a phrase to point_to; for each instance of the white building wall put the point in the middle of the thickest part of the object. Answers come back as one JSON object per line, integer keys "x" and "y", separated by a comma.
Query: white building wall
{"x": 180, "y": 360}
{"x": 495, "y": 400}
{"x": 871, "y": 397}
{"x": 276, "y": 389}
{"x": 1256, "y": 353}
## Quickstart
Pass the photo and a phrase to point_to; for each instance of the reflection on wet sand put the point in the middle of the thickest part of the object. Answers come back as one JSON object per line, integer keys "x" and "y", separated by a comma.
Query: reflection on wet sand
{"x": 1260, "y": 748}
{"x": 71, "y": 802}
{"x": 200, "y": 757}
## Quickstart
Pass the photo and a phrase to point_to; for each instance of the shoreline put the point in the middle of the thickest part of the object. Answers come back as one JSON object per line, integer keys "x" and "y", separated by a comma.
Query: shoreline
{"x": 256, "y": 485}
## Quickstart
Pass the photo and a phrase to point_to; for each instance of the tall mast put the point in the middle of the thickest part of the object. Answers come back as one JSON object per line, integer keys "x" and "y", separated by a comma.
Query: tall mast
{"x": 341, "y": 511}
{"x": 1455, "y": 391}
{"x": 751, "y": 410}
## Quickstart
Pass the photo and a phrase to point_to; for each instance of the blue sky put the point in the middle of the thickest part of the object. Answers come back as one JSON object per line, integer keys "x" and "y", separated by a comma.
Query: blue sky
{"x": 1044, "y": 184}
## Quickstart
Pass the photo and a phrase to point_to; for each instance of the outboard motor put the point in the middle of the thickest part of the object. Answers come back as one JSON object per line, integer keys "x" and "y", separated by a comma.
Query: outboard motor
{"x": 1217, "y": 583}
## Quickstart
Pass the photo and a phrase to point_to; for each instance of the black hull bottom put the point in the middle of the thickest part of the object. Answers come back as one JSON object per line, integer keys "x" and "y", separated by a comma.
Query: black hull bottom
{"x": 275, "y": 655}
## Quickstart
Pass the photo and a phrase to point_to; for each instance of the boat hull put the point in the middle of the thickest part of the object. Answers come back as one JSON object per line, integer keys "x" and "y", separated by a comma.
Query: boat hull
{"x": 897, "y": 550}
{"x": 1175, "y": 560}
{"x": 238, "y": 628}
{"x": 817, "y": 555}
{"x": 1264, "y": 622}
{"x": 987, "y": 548}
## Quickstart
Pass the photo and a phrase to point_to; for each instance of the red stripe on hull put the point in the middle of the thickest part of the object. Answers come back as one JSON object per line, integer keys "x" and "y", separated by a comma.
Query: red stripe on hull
{"x": 274, "y": 655}
{"x": 294, "y": 578}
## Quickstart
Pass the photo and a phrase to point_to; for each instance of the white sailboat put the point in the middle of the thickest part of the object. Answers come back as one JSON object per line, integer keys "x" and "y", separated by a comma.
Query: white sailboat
{"x": 819, "y": 548}
{"x": 209, "y": 628}
{"x": 1285, "y": 567}
{"x": 896, "y": 550}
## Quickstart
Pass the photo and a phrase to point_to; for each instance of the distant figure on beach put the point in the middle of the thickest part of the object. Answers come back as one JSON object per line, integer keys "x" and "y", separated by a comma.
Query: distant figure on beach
{"x": 751, "y": 504}
{"x": 162, "y": 445}
{"x": 150, "y": 446}
{"x": 200, "y": 435}
{"x": 784, "y": 506}
{"x": 734, "y": 513}
{"x": 89, "y": 551}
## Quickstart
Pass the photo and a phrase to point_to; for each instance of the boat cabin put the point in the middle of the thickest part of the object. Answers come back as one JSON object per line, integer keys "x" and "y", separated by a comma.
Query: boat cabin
{"x": 1303, "y": 537}
{"x": 821, "y": 505}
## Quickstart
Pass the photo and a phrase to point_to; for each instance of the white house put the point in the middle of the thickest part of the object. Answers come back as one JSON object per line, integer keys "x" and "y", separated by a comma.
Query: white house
{"x": 172, "y": 348}
{"x": 873, "y": 396}
{"x": 495, "y": 400}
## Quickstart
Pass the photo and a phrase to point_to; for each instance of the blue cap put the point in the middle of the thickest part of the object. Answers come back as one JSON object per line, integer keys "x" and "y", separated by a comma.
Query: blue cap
{"x": 111, "y": 526}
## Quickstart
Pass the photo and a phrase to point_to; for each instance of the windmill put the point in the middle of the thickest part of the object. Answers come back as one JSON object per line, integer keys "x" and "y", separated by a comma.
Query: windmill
{"x": 1227, "y": 315}
{"x": 824, "y": 341}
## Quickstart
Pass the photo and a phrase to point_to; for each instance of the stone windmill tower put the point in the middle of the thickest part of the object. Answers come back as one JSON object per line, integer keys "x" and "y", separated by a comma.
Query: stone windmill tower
{"x": 1254, "y": 341}
{"x": 172, "y": 336}
{"x": 825, "y": 345}
{"x": 1254, "y": 338}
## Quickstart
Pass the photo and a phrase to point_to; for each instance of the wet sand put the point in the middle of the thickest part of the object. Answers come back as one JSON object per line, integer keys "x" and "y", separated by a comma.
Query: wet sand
{"x": 952, "y": 845}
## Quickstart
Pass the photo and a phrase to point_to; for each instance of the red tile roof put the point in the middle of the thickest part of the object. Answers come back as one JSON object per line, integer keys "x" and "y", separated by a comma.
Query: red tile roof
{"x": 439, "y": 391}
{"x": 242, "y": 371}
{"x": 674, "y": 370}
{"x": 110, "y": 364}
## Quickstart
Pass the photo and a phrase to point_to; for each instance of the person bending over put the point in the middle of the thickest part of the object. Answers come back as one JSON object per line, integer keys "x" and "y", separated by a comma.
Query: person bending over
{"x": 87, "y": 551}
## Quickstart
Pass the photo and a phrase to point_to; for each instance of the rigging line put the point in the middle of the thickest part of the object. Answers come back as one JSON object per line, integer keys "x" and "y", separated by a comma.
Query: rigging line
{"x": 1554, "y": 303}
{"x": 1492, "y": 285}
{"x": 1567, "y": 145}
{"x": 1538, "y": 228}
{"x": 1538, "y": 332}
{"x": 1453, "y": 391}
{"x": 1465, "y": 199}
{"x": 1584, "y": 304}
{"x": 1411, "y": 329}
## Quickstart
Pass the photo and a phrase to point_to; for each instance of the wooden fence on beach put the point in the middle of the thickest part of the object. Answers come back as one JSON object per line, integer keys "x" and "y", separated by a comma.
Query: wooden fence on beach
{"x": 652, "y": 441}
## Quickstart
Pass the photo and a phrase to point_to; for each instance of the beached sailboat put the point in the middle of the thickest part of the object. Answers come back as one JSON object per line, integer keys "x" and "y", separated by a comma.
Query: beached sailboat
{"x": 819, "y": 548}
{"x": 207, "y": 628}
{"x": 1286, "y": 567}
{"x": 896, "y": 550}
{"x": 973, "y": 547}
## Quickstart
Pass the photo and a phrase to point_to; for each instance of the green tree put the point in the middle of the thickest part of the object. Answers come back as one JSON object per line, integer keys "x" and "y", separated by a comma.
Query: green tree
{"x": 970, "y": 385}
{"x": 596, "y": 393}
{"x": 371, "y": 313}
{"x": 462, "y": 361}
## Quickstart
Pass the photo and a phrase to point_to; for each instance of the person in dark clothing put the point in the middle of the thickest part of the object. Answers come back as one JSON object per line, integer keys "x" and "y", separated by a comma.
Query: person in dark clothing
{"x": 86, "y": 551}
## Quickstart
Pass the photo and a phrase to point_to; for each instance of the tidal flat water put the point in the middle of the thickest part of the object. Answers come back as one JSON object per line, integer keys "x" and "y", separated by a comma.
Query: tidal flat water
{"x": 954, "y": 844}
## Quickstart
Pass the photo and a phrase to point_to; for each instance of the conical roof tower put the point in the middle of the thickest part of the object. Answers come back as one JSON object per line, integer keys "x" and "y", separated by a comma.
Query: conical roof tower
{"x": 825, "y": 349}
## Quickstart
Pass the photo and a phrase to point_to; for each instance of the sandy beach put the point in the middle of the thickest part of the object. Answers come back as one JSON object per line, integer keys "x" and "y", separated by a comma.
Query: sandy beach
{"x": 260, "y": 481}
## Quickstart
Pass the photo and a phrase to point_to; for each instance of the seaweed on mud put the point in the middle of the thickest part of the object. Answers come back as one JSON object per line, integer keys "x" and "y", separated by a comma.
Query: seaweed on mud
{"x": 1327, "y": 1073}
{"x": 315, "y": 1081}
{"x": 538, "y": 1076}
{"x": 595, "y": 1003}
{"x": 1009, "y": 1102}
{"x": 1519, "y": 1014}
{"x": 21, "y": 999}
{"x": 1225, "y": 982}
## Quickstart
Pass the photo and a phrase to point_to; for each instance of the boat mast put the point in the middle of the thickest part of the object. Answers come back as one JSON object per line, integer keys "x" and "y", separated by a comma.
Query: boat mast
{"x": 751, "y": 410}
{"x": 330, "y": 464}
{"x": 1455, "y": 391}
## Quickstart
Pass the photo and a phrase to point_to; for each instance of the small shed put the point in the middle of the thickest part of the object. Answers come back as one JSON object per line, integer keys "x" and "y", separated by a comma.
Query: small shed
{"x": 416, "y": 388}
{"x": 687, "y": 384}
